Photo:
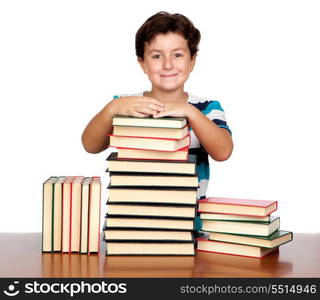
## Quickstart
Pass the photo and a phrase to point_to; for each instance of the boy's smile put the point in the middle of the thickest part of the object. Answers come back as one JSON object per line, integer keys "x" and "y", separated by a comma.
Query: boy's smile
{"x": 167, "y": 62}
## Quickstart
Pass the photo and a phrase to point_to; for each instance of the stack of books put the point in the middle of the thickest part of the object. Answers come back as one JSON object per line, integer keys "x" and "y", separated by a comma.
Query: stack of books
{"x": 153, "y": 188}
{"x": 240, "y": 227}
{"x": 71, "y": 214}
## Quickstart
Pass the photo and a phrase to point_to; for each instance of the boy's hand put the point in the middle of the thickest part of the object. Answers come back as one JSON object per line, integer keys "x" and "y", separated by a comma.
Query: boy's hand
{"x": 136, "y": 106}
{"x": 175, "y": 109}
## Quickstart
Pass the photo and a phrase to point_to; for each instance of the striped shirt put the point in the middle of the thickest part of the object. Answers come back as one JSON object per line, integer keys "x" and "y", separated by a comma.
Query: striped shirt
{"x": 213, "y": 110}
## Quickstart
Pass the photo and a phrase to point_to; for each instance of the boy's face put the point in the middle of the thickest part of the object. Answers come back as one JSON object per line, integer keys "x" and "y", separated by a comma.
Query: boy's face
{"x": 167, "y": 61}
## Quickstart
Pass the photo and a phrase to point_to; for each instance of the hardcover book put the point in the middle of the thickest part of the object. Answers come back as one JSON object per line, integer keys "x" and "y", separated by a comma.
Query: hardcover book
{"x": 233, "y": 249}
{"x": 148, "y": 222}
{"x": 181, "y": 155}
{"x": 155, "y": 166}
{"x": 57, "y": 214}
{"x": 158, "y": 144}
{"x": 47, "y": 213}
{"x": 153, "y": 132}
{"x": 149, "y": 248}
{"x": 127, "y": 234}
{"x": 85, "y": 215}
{"x": 151, "y": 179}
{"x": 167, "y": 122}
{"x": 179, "y": 211}
{"x": 66, "y": 214}
{"x": 240, "y": 227}
{"x": 226, "y": 217}
{"x": 153, "y": 195}
{"x": 94, "y": 215}
{"x": 75, "y": 217}
{"x": 276, "y": 239}
{"x": 247, "y": 207}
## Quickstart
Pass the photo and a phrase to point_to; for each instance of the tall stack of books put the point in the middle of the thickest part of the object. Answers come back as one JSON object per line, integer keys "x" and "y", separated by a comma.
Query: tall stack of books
{"x": 240, "y": 227}
{"x": 153, "y": 188}
{"x": 71, "y": 214}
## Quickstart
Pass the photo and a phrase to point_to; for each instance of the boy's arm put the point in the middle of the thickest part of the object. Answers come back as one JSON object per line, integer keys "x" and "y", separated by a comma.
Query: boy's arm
{"x": 215, "y": 140}
{"x": 95, "y": 136}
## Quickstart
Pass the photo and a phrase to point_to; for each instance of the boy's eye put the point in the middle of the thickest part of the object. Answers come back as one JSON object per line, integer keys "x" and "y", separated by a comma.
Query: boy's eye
{"x": 178, "y": 55}
{"x": 156, "y": 56}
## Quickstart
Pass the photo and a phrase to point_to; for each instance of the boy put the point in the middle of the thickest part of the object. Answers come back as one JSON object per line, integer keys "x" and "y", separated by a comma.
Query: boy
{"x": 166, "y": 48}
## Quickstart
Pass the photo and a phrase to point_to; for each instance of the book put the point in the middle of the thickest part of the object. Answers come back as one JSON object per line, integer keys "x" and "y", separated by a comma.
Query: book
{"x": 57, "y": 214}
{"x": 84, "y": 215}
{"x": 233, "y": 249}
{"x": 75, "y": 217}
{"x": 147, "y": 234}
{"x": 134, "y": 209}
{"x": 247, "y": 207}
{"x": 148, "y": 222}
{"x": 276, "y": 239}
{"x": 158, "y": 144}
{"x": 242, "y": 266}
{"x": 167, "y": 122}
{"x": 181, "y": 155}
{"x": 47, "y": 214}
{"x": 66, "y": 213}
{"x": 94, "y": 215}
{"x": 153, "y": 195}
{"x": 148, "y": 248}
{"x": 225, "y": 217}
{"x": 240, "y": 227}
{"x": 150, "y": 179}
{"x": 71, "y": 214}
{"x": 153, "y": 132}
{"x": 154, "y": 166}
{"x": 165, "y": 266}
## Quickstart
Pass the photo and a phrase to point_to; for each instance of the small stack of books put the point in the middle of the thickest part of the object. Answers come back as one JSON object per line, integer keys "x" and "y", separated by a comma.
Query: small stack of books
{"x": 71, "y": 214}
{"x": 240, "y": 227}
{"x": 153, "y": 188}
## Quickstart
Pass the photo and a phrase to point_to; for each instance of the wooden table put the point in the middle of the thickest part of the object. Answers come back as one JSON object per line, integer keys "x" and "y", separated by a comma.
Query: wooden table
{"x": 20, "y": 256}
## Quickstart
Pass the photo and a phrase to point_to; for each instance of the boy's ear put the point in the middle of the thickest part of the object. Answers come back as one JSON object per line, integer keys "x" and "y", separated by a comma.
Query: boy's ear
{"x": 142, "y": 64}
{"x": 193, "y": 61}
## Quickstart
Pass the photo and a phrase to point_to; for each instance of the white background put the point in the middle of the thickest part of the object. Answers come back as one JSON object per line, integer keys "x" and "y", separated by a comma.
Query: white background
{"x": 62, "y": 61}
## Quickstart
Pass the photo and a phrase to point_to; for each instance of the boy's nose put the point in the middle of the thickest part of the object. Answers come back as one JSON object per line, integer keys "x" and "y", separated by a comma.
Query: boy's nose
{"x": 168, "y": 63}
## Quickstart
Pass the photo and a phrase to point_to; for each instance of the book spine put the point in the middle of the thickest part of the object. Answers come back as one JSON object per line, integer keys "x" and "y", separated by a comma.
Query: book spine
{"x": 89, "y": 216}
{"x": 99, "y": 239}
{"x": 151, "y": 138}
{"x": 62, "y": 215}
{"x": 70, "y": 220}
{"x": 42, "y": 216}
{"x": 52, "y": 218}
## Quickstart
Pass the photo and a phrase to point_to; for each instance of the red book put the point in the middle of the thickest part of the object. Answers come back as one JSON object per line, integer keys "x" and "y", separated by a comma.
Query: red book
{"x": 232, "y": 206}
{"x": 66, "y": 213}
{"x": 71, "y": 213}
{"x": 147, "y": 143}
{"x": 206, "y": 245}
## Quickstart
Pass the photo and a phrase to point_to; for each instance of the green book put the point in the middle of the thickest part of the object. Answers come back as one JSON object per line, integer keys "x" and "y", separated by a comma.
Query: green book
{"x": 47, "y": 213}
{"x": 275, "y": 239}
{"x": 57, "y": 214}
{"x": 241, "y": 227}
{"x": 167, "y": 122}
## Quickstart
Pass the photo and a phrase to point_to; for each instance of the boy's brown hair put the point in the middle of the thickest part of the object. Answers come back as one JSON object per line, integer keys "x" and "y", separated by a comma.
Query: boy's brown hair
{"x": 162, "y": 23}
